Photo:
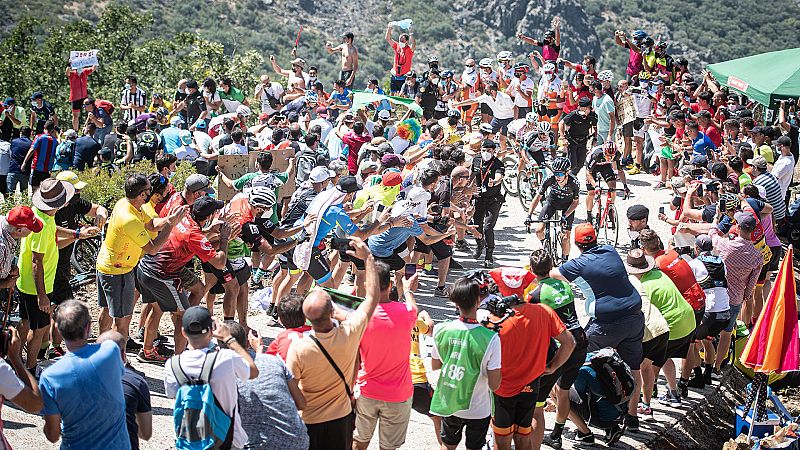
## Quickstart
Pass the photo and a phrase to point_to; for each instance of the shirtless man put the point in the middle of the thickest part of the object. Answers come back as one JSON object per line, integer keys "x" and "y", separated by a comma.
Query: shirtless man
{"x": 349, "y": 58}
{"x": 297, "y": 78}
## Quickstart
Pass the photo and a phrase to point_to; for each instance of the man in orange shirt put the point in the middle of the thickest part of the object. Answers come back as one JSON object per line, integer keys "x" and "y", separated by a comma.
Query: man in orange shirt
{"x": 525, "y": 339}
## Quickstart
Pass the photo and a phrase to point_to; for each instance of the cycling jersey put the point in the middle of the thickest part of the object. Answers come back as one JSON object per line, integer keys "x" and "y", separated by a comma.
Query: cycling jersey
{"x": 558, "y": 295}
{"x": 559, "y": 196}
{"x": 597, "y": 159}
{"x": 538, "y": 144}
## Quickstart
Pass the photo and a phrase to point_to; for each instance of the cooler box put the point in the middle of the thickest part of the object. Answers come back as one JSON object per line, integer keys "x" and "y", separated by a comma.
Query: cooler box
{"x": 761, "y": 428}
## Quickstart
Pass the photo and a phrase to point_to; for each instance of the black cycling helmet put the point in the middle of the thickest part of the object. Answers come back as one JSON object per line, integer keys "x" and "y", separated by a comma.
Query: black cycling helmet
{"x": 453, "y": 113}
{"x": 561, "y": 164}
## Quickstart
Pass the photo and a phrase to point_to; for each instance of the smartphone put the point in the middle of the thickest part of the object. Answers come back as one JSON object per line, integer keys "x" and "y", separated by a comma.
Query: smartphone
{"x": 411, "y": 269}
{"x": 381, "y": 207}
{"x": 341, "y": 244}
{"x": 661, "y": 210}
{"x": 700, "y": 191}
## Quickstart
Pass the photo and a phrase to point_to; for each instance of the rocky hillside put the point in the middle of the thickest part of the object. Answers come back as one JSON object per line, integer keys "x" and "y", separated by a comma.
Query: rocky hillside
{"x": 455, "y": 29}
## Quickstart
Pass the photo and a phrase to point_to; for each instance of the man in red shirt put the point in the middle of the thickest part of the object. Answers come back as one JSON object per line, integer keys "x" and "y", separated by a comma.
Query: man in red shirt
{"x": 78, "y": 91}
{"x": 404, "y": 49}
{"x": 708, "y": 128}
{"x": 290, "y": 315}
{"x": 354, "y": 139}
{"x": 195, "y": 187}
{"x": 162, "y": 280}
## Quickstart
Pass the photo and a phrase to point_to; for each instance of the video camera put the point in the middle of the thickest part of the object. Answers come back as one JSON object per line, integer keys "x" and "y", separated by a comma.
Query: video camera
{"x": 501, "y": 307}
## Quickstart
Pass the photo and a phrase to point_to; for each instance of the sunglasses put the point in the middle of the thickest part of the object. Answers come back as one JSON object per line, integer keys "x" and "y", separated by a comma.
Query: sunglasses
{"x": 469, "y": 65}
{"x": 560, "y": 174}
{"x": 549, "y": 73}
{"x": 462, "y": 177}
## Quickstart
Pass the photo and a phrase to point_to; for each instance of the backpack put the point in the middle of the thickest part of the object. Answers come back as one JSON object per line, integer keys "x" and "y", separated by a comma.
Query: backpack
{"x": 306, "y": 161}
{"x": 200, "y": 422}
{"x": 613, "y": 374}
{"x": 147, "y": 146}
{"x": 105, "y": 105}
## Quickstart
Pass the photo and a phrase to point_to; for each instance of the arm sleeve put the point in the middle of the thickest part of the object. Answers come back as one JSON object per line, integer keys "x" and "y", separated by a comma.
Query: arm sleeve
{"x": 170, "y": 383}
{"x": 50, "y": 405}
{"x": 293, "y": 363}
{"x": 10, "y": 385}
{"x": 240, "y": 182}
{"x": 136, "y": 231}
{"x": 143, "y": 405}
{"x": 240, "y": 367}
{"x": 556, "y": 325}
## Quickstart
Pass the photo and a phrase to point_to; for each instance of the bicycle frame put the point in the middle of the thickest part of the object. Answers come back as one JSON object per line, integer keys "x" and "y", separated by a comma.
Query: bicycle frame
{"x": 606, "y": 215}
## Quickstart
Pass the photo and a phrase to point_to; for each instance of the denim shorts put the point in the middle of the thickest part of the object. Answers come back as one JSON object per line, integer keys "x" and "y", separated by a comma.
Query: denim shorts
{"x": 734, "y": 317}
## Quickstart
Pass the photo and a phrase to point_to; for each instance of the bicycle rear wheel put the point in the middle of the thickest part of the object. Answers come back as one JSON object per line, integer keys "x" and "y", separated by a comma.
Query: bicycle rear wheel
{"x": 511, "y": 164}
{"x": 527, "y": 185}
{"x": 84, "y": 255}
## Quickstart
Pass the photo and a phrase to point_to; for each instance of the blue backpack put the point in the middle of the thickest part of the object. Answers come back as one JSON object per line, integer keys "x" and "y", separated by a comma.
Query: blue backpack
{"x": 200, "y": 422}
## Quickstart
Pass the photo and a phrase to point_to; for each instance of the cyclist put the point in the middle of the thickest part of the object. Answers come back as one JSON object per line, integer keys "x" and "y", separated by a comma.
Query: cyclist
{"x": 603, "y": 163}
{"x": 561, "y": 191}
{"x": 536, "y": 141}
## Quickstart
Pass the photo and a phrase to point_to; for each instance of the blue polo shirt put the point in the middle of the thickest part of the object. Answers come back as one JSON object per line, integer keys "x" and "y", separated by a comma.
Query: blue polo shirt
{"x": 171, "y": 139}
{"x": 702, "y": 145}
{"x": 382, "y": 245}
{"x": 341, "y": 99}
{"x": 600, "y": 274}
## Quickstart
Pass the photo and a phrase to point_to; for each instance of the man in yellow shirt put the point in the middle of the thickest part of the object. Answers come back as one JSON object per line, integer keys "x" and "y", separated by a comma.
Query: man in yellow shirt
{"x": 423, "y": 392}
{"x": 127, "y": 239}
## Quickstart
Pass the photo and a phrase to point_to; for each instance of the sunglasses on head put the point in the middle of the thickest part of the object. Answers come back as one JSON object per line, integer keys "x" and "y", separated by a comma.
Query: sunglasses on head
{"x": 549, "y": 73}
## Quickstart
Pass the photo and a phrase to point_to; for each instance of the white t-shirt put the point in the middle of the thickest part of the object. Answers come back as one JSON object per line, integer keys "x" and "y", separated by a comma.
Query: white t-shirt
{"x": 502, "y": 106}
{"x": 527, "y": 86}
{"x": 783, "y": 169}
{"x": 480, "y": 406}
{"x": 202, "y": 139}
{"x": 233, "y": 149}
{"x": 642, "y": 103}
{"x": 717, "y": 299}
{"x": 325, "y": 124}
{"x": 216, "y": 122}
{"x": 228, "y": 367}
{"x": 275, "y": 90}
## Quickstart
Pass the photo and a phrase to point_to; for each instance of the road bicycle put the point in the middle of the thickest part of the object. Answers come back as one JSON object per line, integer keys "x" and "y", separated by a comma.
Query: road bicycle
{"x": 529, "y": 179}
{"x": 553, "y": 235}
{"x": 605, "y": 217}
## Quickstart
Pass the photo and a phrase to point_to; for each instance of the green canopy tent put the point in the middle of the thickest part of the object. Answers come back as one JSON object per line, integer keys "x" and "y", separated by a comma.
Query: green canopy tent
{"x": 766, "y": 78}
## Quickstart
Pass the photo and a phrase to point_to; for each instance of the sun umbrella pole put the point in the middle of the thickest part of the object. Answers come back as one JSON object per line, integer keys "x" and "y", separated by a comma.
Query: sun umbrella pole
{"x": 758, "y": 380}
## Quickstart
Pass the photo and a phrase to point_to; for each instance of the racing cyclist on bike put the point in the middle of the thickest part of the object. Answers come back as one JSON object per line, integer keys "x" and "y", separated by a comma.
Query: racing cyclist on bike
{"x": 603, "y": 163}
{"x": 561, "y": 192}
{"x": 535, "y": 142}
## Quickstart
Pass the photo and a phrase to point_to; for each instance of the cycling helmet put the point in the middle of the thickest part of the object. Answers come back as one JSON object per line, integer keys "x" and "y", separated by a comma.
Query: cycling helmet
{"x": 549, "y": 67}
{"x": 504, "y": 56}
{"x": 730, "y": 200}
{"x": 521, "y": 67}
{"x": 243, "y": 111}
{"x": 262, "y": 196}
{"x": 561, "y": 164}
{"x": 645, "y": 76}
{"x": 432, "y": 59}
{"x": 610, "y": 148}
{"x": 485, "y": 128}
{"x": 648, "y": 42}
{"x": 639, "y": 34}
{"x": 163, "y": 112}
{"x": 453, "y": 113}
{"x": 531, "y": 117}
{"x": 485, "y": 62}
{"x": 661, "y": 44}
{"x": 605, "y": 75}
{"x": 543, "y": 127}
{"x": 447, "y": 74}
{"x": 478, "y": 276}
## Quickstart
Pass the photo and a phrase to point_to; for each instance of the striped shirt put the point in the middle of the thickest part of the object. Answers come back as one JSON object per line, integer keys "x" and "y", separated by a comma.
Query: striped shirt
{"x": 774, "y": 194}
{"x": 742, "y": 265}
{"x": 8, "y": 250}
{"x": 44, "y": 149}
{"x": 138, "y": 98}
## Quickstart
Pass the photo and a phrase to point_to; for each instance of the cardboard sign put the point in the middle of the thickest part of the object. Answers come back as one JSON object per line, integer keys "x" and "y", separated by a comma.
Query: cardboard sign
{"x": 233, "y": 166}
{"x": 78, "y": 60}
{"x": 280, "y": 162}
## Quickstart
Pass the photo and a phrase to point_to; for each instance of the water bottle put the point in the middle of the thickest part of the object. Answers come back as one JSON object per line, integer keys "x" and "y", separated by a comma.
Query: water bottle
{"x": 404, "y": 24}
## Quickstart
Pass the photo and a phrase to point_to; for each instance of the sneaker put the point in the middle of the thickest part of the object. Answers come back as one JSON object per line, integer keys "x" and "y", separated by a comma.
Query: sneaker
{"x": 455, "y": 265}
{"x": 634, "y": 171}
{"x": 670, "y": 399}
{"x": 658, "y": 186}
{"x": 644, "y": 410}
{"x": 151, "y": 356}
{"x": 256, "y": 285}
{"x": 163, "y": 349}
{"x": 488, "y": 263}
{"x": 273, "y": 322}
{"x": 552, "y": 442}
{"x": 587, "y": 438}
{"x": 132, "y": 345}
{"x": 614, "y": 434}
{"x": 139, "y": 336}
{"x": 432, "y": 272}
{"x": 632, "y": 422}
{"x": 462, "y": 246}
{"x": 441, "y": 292}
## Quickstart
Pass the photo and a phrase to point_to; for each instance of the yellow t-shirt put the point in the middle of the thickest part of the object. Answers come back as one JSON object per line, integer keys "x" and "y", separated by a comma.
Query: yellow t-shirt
{"x": 126, "y": 235}
{"x": 42, "y": 242}
{"x": 150, "y": 210}
{"x": 418, "y": 373}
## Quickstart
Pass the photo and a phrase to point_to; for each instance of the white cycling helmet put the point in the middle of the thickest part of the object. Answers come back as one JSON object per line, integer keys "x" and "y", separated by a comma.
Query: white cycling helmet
{"x": 485, "y": 62}
{"x": 504, "y": 56}
{"x": 531, "y": 117}
{"x": 262, "y": 196}
{"x": 485, "y": 128}
{"x": 605, "y": 75}
{"x": 543, "y": 127}
{"x": 549, "y": 67}
{"x": 243, "y": 111}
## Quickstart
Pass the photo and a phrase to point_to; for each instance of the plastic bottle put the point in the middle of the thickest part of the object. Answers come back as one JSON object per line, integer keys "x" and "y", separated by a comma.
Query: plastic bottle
{"x": 404, "y": 24}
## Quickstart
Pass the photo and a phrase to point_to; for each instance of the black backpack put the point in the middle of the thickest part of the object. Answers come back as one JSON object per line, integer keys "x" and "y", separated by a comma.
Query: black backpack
{"x": 146, "y": 146}
{"x": 613, "y": 374}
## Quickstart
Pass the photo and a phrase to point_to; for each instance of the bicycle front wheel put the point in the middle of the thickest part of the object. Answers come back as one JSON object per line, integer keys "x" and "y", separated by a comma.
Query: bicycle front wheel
{"x": 511, "y": 164}
{"x": 610, "y": 227}
{"x": 527, "y": 185}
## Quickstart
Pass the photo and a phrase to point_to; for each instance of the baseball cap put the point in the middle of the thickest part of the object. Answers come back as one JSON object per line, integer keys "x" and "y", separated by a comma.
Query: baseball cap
{"x": 584, "y": 102}
{"x": 263, "y": 117}
{"x": 37, "y": 95}
{"x": 392, "y": 160}
{"x": 700, "y": 160}
{"x": 384, "y": 114}
{"x": 197, "y": 320}
{"x": 758, "y": 161}
{"x": 322, "y": 111}
{"x": 585, "y": 234}
{"x": 319, "y": 174}
{"x": 348, "y": 184}
{"x": 176, "y": 121}
{"x": 637, "y": 212}
{"x": 9, "y": 101}
{"x": 191, "y": 84}
{"x": 70, "y": 177}
{"x": 746, "y": 221}
{"x": 488, "y": 143}
{"x": 206, "y": 206}
{"x": 198, "y": 182}
{"x": 391, "y": 178}
{"x": 185, "y": 136}
{"x": 23, "y": 217}
{"x": 758, "y": 130}
{"x": 704, "y": 243}
{"x": 373, "y": 81}
{"x": 784, "y": 140}
{"x": 368, "y": 166}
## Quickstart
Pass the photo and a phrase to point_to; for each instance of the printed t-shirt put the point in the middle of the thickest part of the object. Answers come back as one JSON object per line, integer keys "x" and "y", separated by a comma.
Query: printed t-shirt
{"x": 418, "y": 372}
{"x": 525, "y": 338}
{"x": 280, "y": 346}
{"x": 668, "y": 299}
{"x": 125, "y": 236}
{"x": 44, "y": 242}
{"x": 385, "y": 373}
{"x": 467, "y": 352}
{"x": 186, "y": 240}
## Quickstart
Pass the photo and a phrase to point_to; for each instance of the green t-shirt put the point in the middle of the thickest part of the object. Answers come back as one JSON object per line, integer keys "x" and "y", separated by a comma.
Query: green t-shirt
{"x": 558, "y": 295}
{"x": 244, "y": 183}
{"x": 663, "y": 293}
{"x": 42, "y": 242}
{"x": 234, "y": 94}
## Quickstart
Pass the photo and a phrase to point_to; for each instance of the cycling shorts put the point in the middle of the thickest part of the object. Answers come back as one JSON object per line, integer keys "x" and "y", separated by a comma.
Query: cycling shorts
{"x": 549, "y": 209}
{"x": 601, "y": 172}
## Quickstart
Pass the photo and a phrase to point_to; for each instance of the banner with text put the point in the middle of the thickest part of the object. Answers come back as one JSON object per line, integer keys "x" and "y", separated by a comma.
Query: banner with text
{"x": 79, "y": 60}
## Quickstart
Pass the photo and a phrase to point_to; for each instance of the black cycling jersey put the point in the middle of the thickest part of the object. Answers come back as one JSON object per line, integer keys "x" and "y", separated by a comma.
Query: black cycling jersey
{"x": 597, "y": 159}
{"x": 560, "y": 196}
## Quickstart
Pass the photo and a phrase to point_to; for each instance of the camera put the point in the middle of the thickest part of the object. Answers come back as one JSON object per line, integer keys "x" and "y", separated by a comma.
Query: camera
{"x": 501, "y": 307}
{"x": 340, "y": 244}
